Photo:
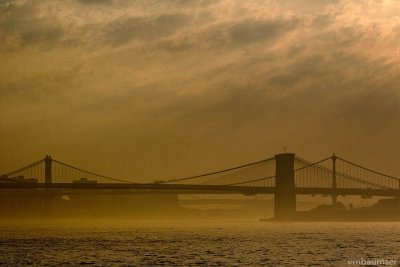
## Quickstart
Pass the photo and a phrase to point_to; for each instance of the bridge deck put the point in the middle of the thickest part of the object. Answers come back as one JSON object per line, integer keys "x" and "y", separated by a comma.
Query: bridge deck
{"x": 118, "y": 188}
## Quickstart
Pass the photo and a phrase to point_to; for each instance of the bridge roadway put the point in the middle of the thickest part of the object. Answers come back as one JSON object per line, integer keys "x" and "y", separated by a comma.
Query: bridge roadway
{"x": 118, "y": 188}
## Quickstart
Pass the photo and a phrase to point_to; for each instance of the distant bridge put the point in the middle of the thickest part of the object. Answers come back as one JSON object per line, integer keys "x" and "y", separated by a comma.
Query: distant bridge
{"x": 283, "y": 175}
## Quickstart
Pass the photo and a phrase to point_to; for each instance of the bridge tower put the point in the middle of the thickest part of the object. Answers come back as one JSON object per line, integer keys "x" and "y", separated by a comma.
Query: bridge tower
{"x": 47, "y": 169}
{"x": 334, "y": 184}
{"x": 285, "y": 195}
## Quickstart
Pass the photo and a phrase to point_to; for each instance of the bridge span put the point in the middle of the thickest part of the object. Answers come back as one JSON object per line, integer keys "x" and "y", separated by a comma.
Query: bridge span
{"x": 283, "y": 175}
{"x": 116, "y": 188}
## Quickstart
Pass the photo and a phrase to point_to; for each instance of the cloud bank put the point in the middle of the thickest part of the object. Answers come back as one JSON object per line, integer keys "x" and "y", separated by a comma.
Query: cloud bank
{"x": 148, "y": 89}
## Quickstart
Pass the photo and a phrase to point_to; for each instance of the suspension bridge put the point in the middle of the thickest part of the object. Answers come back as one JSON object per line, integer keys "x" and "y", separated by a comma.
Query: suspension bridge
{"x": 284, "y": 175}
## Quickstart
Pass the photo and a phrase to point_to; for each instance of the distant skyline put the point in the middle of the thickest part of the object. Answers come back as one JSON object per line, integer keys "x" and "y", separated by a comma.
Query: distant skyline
{"x": 164, "y": 89}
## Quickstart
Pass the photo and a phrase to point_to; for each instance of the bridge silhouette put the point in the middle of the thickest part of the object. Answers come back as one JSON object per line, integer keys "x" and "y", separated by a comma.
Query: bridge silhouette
{"x": 283, "y": 175}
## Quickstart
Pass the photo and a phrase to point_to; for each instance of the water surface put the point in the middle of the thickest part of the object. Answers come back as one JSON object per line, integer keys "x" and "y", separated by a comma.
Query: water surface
{"x": 241, "y": 243}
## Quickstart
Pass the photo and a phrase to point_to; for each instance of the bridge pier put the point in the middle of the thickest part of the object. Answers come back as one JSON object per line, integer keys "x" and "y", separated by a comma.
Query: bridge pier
{"x": 334, "y": 184}
{"x": 285, "y": 195}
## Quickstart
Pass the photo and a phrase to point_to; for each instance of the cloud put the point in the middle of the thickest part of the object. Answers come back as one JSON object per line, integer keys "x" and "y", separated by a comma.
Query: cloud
{"x": 255, "y": 31}
{"x": 164, "y": 82}
{"x": 96, "y": 2}
{"x": 23, "y": 26}
{"x": 129, "y": 29}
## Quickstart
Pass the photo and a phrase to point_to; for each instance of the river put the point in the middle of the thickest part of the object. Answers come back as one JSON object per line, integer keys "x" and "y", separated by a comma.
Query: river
{"x": 193, "y": 243}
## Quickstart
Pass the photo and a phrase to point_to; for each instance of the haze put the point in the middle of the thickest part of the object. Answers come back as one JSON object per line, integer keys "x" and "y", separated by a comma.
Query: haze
{"x": 162, "y": 89}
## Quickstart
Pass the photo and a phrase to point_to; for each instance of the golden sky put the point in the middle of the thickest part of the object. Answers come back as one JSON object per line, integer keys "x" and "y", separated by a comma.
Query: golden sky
{"x": 146, "y": 89}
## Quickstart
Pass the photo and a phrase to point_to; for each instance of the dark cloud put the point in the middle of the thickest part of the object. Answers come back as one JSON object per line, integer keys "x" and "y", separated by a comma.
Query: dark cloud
{"x": 227, "y": 35}
{"x": 202, "y": 3}
{"x": 24, "y": 25}
{"x": 283, "y": 80}
{"x": 255, "y": 31}
{"x": 176, "y": 45}
{"x": 124, "y": 30}
{"x": 309, "y": 67}
{"x": 96, "y": 2}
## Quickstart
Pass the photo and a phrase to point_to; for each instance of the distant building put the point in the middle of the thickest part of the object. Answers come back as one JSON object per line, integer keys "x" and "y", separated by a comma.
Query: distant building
{"x": 18, "y": 179}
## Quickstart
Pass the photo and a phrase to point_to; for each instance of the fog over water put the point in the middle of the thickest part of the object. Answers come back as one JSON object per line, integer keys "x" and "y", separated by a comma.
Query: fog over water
{"x": 201, "y": 242}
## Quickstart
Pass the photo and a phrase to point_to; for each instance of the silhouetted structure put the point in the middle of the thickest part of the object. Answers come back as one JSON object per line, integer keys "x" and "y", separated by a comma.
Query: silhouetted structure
{"x": 283, "y": 175}
{"x": 285, "y": 194}
{"x": 334, "y": 195}
{"x": 47, "y": 169}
